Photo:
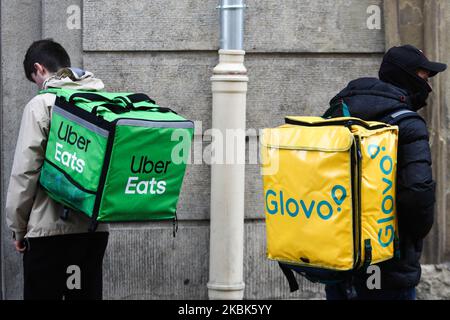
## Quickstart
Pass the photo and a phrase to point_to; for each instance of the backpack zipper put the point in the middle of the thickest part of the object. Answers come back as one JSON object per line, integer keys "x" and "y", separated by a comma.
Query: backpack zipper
{"x": 357, "y": 216}
{"x": 346, "y": 123}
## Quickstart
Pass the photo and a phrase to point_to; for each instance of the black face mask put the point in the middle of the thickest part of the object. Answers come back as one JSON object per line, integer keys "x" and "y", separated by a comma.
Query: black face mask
{"x": 419, "y": 99}
{"x": 418, "y": 89}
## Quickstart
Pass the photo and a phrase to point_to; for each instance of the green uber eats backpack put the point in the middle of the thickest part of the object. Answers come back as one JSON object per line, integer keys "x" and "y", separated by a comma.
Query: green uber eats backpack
{"x": 115, "y": 157}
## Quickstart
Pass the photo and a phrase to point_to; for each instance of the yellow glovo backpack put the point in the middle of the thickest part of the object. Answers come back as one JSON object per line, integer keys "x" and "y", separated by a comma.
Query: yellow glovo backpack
{"x": 329, "y": 192}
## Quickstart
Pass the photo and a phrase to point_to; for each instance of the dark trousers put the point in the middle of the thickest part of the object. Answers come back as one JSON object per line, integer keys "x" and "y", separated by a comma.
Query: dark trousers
{"x": 66, "y": 267}
{"x": 344, "y": 291}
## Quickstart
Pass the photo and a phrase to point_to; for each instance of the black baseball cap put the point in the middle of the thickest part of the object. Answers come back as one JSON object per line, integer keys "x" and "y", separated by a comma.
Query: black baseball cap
{"x": 410, "y": 58}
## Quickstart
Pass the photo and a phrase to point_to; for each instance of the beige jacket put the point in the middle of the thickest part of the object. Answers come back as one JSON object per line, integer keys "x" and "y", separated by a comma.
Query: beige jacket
{"x": 29, "y": 211}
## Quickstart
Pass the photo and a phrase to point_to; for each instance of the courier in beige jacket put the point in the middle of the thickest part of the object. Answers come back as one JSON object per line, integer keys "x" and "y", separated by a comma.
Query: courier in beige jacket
{"x": 50, "y": 243}
{"x": 29, "y": 211}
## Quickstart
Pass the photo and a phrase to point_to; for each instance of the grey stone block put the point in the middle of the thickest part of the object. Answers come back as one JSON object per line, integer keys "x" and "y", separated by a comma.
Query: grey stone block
{"x": 20, "y": 26}
{"x": 60, "y": 21}
{"x": 282, "y": 85}
{"x": 148, "y": 263}
{"x": 194, "y": 202}
{"x": 254, "y": 200}
{"x": 311, "y": 26}
{"x": 176, "y": 80}
{"x": 263, "y": 278}
{"x": 157, "y": 25}
{"x": 411, "y": 22}
{"x": 435, "y": 282}
{"x": 271, "y": 26}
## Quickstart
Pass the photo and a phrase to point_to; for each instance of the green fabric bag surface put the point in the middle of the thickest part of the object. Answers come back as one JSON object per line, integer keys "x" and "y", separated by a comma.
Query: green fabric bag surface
{"x": 115, "y": 156}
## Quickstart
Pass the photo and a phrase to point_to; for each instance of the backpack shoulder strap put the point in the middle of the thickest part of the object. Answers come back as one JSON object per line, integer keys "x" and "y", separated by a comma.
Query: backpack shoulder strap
{"x": 395, "y": 117}
{"x": 289, "y": 274}
{"x": 337, "y": 106}
{"x": 49, "y": 90}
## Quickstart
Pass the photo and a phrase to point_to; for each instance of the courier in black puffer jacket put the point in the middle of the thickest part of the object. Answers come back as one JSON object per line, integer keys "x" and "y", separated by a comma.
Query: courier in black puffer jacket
{"x": 403, "y": 84}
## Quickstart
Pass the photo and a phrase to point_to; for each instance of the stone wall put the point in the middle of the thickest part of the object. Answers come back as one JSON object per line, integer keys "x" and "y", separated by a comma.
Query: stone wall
{"x": 435, "y": 282}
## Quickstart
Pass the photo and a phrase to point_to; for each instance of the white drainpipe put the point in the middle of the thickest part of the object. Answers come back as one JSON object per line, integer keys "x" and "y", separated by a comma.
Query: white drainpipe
{"x": 229, "y": 89}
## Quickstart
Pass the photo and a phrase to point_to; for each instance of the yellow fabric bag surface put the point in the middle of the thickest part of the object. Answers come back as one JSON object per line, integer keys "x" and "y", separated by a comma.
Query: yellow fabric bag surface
{"x": 329, "y": 192}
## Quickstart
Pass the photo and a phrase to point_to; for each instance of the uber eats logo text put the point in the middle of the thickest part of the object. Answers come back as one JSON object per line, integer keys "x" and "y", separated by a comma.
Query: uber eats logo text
{"x": 386, "y": 231}
{"x": 145, "y": 165}
{"x": 277, "y": 204}
{"x": 67, "y": 134}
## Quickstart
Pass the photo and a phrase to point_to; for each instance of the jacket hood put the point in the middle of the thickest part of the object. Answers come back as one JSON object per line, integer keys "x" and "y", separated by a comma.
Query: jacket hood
{"x": 74, "y": 78}
{"x": 418, "y": 88}
{"x": 371, "y": 98}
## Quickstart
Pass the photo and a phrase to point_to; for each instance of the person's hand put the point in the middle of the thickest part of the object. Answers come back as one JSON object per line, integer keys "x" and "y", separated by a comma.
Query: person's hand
{"x": 20, "y": 246}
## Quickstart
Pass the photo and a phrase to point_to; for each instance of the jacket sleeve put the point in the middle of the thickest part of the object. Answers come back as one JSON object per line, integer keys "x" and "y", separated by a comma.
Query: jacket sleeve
{"x": 28, "y": 159}
{"x": 416, "y": 188}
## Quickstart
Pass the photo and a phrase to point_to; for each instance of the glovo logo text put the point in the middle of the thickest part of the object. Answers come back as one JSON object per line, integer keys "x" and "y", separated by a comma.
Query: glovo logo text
{"x": 276, "y": 203}
{"x": 386, "y": 231}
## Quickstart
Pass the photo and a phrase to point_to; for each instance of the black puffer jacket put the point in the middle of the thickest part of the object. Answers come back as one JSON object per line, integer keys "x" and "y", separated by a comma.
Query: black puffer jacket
{"x": 415, "y": 185}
